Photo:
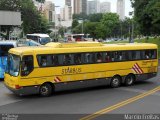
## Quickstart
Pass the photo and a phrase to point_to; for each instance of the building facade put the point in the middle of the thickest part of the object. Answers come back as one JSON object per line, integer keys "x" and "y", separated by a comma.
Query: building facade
{"x": 68, "y": 2}
{"x": 80, "y": 6}
{"x": 93, "y": 7}
{"x": 121, "y": 9}
{"x": 66, "y": 11}
{"x": 84, "y": 6}
{"x": 49, "y": 11}
{"x": 105, "y": 7}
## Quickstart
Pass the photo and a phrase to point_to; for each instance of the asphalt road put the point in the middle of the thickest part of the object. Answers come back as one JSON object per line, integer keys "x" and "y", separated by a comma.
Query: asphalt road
{"x": 84, "y": 103}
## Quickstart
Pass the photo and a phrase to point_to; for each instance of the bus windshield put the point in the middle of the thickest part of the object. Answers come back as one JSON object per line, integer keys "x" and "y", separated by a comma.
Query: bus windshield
{"x": 44, "y": 40}
{"x": 13, "y": 65}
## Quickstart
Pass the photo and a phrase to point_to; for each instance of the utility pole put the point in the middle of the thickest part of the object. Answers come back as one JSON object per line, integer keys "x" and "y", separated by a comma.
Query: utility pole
{"x": 132, "y": 35}
{"x": 132, "y": 30}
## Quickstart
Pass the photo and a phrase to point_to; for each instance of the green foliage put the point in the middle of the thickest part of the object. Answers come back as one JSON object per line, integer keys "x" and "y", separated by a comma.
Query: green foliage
{"x": 100, "y": 31}
{"x": 110, "y": 21}
{"x": 51, "y": 24}
{"x": 40, "y": 1}
{"x": 80, "y": 16}
{"x": 33, "y": 21}
{"x": 147, "y": 15}
{"x": 104, "y": 25}
{"x": 95, "y": 17}
{"x": 91, "y": 17}
{"x": 74, "y": 23}
{"x": 10, "y": 5}
{"x": 90, "y": 28}
{"x": 61, "y": 31}
{"x": 77, "y": 29}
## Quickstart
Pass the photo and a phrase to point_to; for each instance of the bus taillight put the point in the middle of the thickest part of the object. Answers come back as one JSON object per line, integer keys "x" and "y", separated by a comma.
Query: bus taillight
{"x": 18, "y": 87}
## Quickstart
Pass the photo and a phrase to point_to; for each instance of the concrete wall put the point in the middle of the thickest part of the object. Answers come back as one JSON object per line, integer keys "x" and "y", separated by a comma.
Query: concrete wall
{"x": 10, "y": 18}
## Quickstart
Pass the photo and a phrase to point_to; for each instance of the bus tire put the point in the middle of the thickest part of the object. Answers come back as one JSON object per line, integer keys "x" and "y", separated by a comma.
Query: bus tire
{"x": 115, "y": 82}
{"x": 45, "y": 90}
{"x": 129, "y": 80}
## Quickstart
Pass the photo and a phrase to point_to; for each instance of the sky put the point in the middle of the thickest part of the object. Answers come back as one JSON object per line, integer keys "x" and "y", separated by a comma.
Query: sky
{"x": 128, "y": 7}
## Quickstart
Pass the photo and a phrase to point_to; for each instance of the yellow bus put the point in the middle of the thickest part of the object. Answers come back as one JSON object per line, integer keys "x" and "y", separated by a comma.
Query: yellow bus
{"x": 62, "y": 66}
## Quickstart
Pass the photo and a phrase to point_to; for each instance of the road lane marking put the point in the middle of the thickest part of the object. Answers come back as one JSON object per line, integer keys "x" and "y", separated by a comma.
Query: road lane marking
{"x": 118, "y": 105}
{"x": 135, "y": 90}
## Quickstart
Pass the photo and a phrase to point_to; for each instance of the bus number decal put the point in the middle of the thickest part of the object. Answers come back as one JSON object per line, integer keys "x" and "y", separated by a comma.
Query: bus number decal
{"x": 71, "y": 70}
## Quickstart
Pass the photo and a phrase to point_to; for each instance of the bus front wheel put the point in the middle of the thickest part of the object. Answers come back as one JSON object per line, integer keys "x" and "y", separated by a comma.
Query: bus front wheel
{"x": 115, "y": 82}
{"x": 45, "y": 90}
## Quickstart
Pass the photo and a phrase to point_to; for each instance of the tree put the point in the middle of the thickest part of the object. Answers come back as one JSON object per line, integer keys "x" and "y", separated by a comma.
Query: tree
{"x": 109, "y": 22}
{"x": 90, "y": 28}
{"x": 40, "y": 1}
{"x": 147, "y": 15}
{"x": 77, "y": 29}
{"x": 74, "y": 23}
{"x": 10, "y": 5}
{"x": 100, "y": 31}
{"x": 80, "y": 16}
{"x": 95, "y": 17}
{"x": 154, "y": 11}
{"x": 61, "y": 31}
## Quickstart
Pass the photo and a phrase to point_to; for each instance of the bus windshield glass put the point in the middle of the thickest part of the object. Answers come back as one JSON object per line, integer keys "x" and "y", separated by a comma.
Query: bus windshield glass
{"x": 44, "y": 40}
{"x": 13, "y": 65}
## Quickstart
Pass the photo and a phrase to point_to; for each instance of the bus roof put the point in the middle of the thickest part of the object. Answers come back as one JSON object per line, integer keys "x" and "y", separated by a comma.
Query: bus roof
{"x": 40, "y": 35}
{"x": 74, "y": 44}
{"x": 9, "y": 42}
{"x": 104, "y": 47}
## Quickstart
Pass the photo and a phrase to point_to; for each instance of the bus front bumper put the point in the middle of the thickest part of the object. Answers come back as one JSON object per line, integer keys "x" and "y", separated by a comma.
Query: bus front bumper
{"x": 29, "y": 90}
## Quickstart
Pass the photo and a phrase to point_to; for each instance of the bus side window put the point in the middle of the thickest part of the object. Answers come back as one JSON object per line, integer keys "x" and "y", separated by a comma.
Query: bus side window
{"x": 136, "y": 55}
{"x": 123, "y": 56}
{"x": 87, "y": 58}
{"x": 143, "y": 57}
{"x": 43, "y": 61}
{"x": 99, "y": 57}
{"x": 114, "y": 56}
{"x": 55, "y": 60}
{"x": 150, "y": 54}
{"x": 120, "y": 56}
{"x": 107, "y": 57}
{"x": 128, "y": 55}
{"x": 67, "y": 59}
{"x": 27, "y": 65}
{"x": 147, "y": 54}
{"x": 153, "y": 54}
{"x": 77, "y": 58}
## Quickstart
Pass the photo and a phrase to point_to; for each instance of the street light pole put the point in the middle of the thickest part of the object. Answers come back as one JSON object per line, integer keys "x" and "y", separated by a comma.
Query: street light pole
{"x": 132, "y": 30}
{"x": 121, "y": 29}
{"x": 55, "y": 17}
{"x": 81, "y": 21}
{"x": 82, "y": 26}
{"x": 132, "y": 36}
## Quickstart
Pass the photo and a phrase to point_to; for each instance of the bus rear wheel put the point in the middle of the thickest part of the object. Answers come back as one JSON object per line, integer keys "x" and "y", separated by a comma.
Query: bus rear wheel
{"x": 45, "y": 90}
{"x": 115, "y": 82}
{"x": 129, "y": 80}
